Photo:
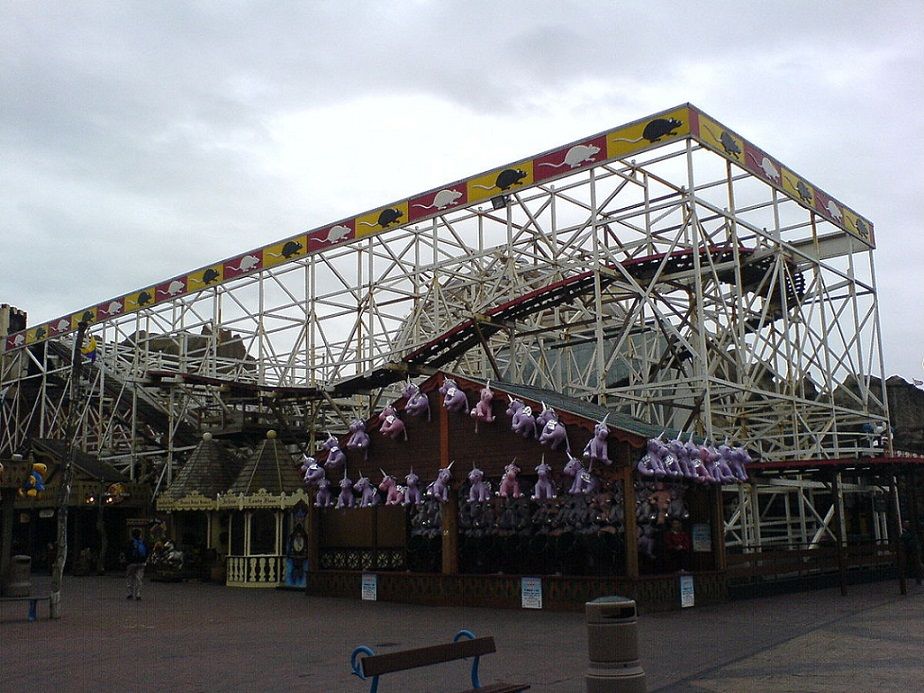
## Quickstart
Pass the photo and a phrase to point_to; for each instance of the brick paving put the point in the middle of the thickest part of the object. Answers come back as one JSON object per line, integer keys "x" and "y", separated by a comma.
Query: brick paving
{"x": 203, "y": 637}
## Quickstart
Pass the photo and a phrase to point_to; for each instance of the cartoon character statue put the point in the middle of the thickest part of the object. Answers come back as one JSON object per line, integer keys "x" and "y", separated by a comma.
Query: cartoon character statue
{"x": 390, "y": 425}
{"x": 510, "y": 484}
{"x": 369, "y": 495}
{"x": 544, "y": 488}
{"x": 521, "y": 421}
{"x": 439, "y": 488}
{"x": 35, "y": 482}
{"x": 412, "y": 492}
{"x": 336, "y": 457}
{"x": 359, "y": 439}
{"x": 345, "y": 499}
{"x": 482, "y": 410}
{"x": 418, "y": 403}
{"x": 480, "y": 490}
{"x": 596, "y": 448}
{"x": 394, "y": 494}
{"x": 454, "y": 399}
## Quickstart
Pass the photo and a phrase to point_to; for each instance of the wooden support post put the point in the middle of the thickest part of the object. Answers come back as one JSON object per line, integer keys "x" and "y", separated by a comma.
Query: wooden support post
{"x": 627, "y": 478}
{"x": 718, "y": 528}
{"x": 895, "y": 532}
{"x": 839, "y": 532}
{"x": 449, "y": 511}
{"x": 312, "y": 520}
{"x": 7, "y": 499}
{"x": 915, "y": 518}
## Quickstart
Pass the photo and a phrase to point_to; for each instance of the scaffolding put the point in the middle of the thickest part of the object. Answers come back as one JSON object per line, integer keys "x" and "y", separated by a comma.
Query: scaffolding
{"x": 667, "y": 268}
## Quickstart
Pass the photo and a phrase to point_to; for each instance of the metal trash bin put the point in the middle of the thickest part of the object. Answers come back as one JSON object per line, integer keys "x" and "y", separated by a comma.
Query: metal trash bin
{"x": 612, "y": 646}
{"x": 18, "y": 581}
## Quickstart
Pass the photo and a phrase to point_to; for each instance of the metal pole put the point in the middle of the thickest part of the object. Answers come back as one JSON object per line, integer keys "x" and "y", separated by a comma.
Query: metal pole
{"x": 70, "y": 450}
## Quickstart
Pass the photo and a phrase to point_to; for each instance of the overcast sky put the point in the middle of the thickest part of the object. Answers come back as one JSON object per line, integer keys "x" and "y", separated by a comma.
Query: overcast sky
{"x": 139, "y": 140}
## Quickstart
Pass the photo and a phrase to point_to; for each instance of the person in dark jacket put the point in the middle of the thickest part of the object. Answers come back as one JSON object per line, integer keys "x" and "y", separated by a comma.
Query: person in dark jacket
{"x": 137, "y": 556}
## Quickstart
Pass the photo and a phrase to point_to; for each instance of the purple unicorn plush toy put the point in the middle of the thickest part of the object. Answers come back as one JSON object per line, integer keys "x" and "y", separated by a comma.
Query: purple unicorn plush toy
{"x": 345, "y": 499}
{"x": 480, "y": 490}
{"x": 522, "y": 421}
{"x": 335, "y": 456}
{"x": 412, "y": 492}
{"x": 596, "y": 449}
{"x": 315, "y": 476}
{"x": 482, "y": 410}
{"x": 574, "y": 469}
{"x": 454, "y": 399}
{"x": 391, "y": 426}
{"x": 652, "y": 462}
{"x": 369, "y": 496}
{"x": 418, "y": 403}
{"x": 544, "y": 488}
{"x": 439, "y": 488}
{"x": 359, "y": 439}
{"x": 553, "y": 431}
{"x": 394, "y": 494}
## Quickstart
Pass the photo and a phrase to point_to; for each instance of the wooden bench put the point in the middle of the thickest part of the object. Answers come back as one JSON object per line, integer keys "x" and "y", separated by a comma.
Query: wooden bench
{"x": 463, "y": 646}
{"x": 33, "y": 603}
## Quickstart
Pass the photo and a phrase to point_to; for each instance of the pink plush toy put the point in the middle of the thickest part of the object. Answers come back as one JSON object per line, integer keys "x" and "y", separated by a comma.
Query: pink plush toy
{"x": 482, "y": 410}
{"x": 510, "y": 485}
{"x": 391, "y": 426}
{"x": 394, "y": 494}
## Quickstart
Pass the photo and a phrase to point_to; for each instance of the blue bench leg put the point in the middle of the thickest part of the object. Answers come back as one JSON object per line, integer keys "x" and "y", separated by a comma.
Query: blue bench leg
{"x": 32, "y": 609}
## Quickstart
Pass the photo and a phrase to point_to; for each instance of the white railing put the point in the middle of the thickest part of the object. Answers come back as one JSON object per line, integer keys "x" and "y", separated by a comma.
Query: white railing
{"x": 255, "y": 571}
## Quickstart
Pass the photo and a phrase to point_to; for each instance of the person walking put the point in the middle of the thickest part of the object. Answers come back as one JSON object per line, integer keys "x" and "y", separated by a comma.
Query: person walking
{"x": 137, "y": 554}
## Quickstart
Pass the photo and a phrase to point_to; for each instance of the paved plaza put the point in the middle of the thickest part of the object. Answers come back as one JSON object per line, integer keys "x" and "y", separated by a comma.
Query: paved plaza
{"x": 203, "y": 637}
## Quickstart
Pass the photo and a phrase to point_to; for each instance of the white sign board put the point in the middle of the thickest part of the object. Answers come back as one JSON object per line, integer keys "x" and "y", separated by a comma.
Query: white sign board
{"x": 702, "y": 537}
{"x": 686, "y": 591}
{"x": 370, "y": 587}
{"x": 531, "y": 592}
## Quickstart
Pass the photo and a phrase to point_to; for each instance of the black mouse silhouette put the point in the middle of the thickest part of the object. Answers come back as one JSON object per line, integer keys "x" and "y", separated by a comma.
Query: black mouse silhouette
{"x": 729, "y": 144}
{"x": 387, "y": 216}
{"x": 87, "y": 316}
{"x": 40, "y": 333}
{"x": 505, "y": 179}
{"x": 291, "y": 248}
{"x": 655, "y": 130}
{"x": 144, "y": 297}
{"x": 209, "y": 276}
{"x": 862, "y": 228}
{"x": 804, "y": 193}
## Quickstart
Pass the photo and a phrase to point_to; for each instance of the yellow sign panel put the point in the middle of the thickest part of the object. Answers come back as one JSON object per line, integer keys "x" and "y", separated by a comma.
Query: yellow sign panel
{"x": 88, "y": 316}
{"x": 646, "y": 133}
{"x": 798, "y": 189}
{"x": 139, "y": 299}
{"x": 379, "y": 220}
{"x": 279, "y": 253}
{"x": 715, "y": 136}
{"x": 858, "y": 226}
{"x": 501, "y": 181}
{"x": 206, "y": 277}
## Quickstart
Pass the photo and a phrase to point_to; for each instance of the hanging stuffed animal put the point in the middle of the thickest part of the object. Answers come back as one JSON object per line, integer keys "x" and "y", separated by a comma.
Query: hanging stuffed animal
{"x": 596, "y": 448}
{"x": 335, "y": 456}
{"x": 454, "y": 399}
{"x": 482, "y": 410}
{"x": 369, "y": 495}
{"x": 522, "y": 421}
{"x": 359, "y": 439}
{"x": 439, "y": 488}
{"x": 480, "y": 490}
{"x": 35, "y": 482}
{"x": 412, "y": 492}
{"x": 394, "y": 494}
{"x": 418, "y": 403}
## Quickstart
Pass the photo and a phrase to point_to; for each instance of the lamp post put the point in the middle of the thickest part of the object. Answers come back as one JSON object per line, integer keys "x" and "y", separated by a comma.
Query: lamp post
{"x": 70, "y": 450}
